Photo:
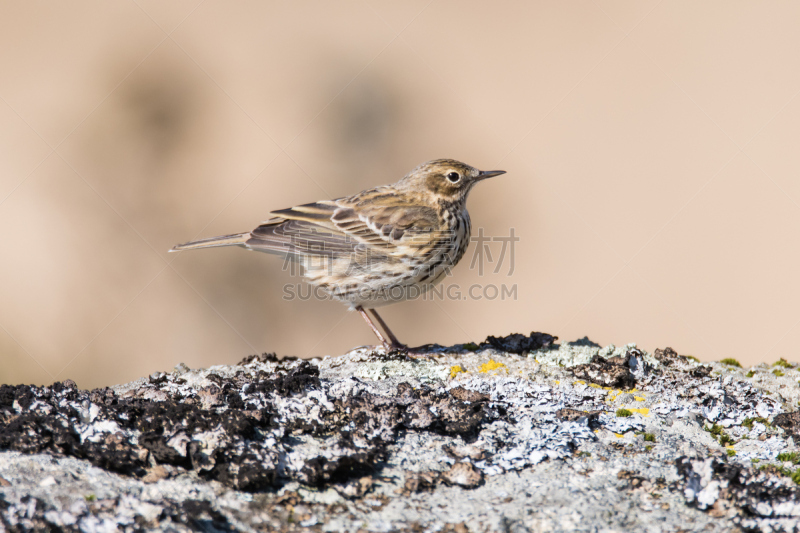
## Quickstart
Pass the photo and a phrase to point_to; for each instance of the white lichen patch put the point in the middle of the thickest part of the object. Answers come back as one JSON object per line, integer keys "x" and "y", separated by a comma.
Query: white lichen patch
{"x": 419, "y": 370}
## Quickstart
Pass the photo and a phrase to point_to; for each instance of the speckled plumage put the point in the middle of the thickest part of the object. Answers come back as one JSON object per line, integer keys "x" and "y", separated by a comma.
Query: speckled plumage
{"x": 380, "y": 246}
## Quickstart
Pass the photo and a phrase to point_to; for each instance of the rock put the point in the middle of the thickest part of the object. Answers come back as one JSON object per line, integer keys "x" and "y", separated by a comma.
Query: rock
{"x": 465, "y": 452}
{"x": 790, "y": 422}
{"x": 520, "y": 344}
{"x": 356, "y": 488}
{"x": 464, "y": 475}
{"x": 605, "y": 373}
{"x": 377, "y": 441}
{"x": 701, "y": 371}
{"x": 157, "y": 473}
{"x": 574, "y": 415}
{"x": 419, "y": 482}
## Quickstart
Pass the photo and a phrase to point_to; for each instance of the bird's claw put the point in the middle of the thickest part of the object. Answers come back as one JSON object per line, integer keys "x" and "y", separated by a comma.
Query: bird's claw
{"x": 414, "y": 353}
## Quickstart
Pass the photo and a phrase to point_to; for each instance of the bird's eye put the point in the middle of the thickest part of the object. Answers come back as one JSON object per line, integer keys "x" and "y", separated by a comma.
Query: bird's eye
{"x": 454, "y": 177}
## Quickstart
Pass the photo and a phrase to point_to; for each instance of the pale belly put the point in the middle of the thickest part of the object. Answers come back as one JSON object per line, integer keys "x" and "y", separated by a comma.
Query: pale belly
{"x": 382, "y": 283}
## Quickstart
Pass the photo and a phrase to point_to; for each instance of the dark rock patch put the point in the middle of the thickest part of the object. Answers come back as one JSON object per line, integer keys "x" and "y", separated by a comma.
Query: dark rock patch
{"x": 700, "y": 372}
{"x": 666, "y": 357}
{"x": 321, "y": 471}
{"x": 605, "y": 373}
{"x": 465, "y": 395}
{"x": 790, "y": 422}
{"x": 304, "y": 377}
{"x": 460, "y": 412}
{"x": 520, "y": 344}
{"x": 757, "y": 493}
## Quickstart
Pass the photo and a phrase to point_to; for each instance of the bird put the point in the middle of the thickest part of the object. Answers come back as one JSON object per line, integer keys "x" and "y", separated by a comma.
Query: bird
{"x": 384, "y": 245}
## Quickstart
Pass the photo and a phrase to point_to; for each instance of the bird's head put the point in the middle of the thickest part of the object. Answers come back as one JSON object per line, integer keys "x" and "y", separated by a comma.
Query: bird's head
{"x": 446, "y": 180}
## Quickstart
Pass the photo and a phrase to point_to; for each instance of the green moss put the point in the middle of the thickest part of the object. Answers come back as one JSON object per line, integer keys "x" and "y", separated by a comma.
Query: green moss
{"x": 783, "y": 362}
{"x": 583, "y": 454}
{"x": 649, "y": 437}
{"x": 90, "y": 497}
{"x": 648, "y": 448}
{"x": 774, "y": 469}
{"x": 754, "y": 461}
{"x": 792, "y": 457}
{"x": 748, "y": 422}
{"x": 692, "y": 358}
{"x": 718, "y": 432}
{"x": 731, "y": 361}
{"x": 731, "y": 453}
{"x": 777, "y": 372}
{"x": 624, "y": 413}
{"x": 471, "y": 346}
{"x": 750, "y": 374}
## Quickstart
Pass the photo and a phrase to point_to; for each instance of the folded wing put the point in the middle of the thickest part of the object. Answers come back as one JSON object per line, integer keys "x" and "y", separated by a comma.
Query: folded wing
{"x": 345, "y": 227}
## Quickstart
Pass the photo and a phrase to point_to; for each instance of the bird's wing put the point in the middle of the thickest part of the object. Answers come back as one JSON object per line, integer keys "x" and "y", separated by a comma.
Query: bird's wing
{"x": 346, "y": 226}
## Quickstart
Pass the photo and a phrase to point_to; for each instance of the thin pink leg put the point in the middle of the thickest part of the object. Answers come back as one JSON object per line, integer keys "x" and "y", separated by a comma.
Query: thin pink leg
{"x": 375, "y": 330}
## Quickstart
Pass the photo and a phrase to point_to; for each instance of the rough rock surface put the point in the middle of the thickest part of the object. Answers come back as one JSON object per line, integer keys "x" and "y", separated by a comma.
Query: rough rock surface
{"x": 520, "y": 434}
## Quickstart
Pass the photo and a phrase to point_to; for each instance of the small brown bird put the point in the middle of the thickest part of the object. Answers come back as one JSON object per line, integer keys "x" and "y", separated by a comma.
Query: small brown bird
{"x": 380, "y": 246}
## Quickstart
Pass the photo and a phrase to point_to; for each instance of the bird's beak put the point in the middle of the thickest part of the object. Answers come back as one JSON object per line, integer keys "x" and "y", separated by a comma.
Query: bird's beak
{"x": 484, "y": 174}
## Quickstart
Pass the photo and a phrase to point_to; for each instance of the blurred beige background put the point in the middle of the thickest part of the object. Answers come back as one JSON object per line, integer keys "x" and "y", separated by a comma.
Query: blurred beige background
{"x": 651, "y": 150}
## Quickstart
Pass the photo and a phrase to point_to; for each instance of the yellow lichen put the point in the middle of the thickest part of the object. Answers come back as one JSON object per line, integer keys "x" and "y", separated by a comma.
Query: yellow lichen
{"x": 492, "y": 365}
{"x": 594, "y": 385}
{"x": 612, "y": 395}
{"x": 619, "y": 436}
{"x": 455, "y": 370}
{"x": 638, "y": 398}
{"x": 644, "y": 411}
{"x": 579, "y": 382}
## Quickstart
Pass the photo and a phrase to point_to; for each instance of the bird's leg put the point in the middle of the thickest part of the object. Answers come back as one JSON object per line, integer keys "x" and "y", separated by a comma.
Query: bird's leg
{"x": 374, "y": 329}
{"x": 396, "y": 344}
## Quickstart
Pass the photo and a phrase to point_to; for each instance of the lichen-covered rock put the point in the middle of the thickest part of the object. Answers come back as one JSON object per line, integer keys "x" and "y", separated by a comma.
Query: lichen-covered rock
{"x": 605, "y": 373}
{"x": 526, "y": 435}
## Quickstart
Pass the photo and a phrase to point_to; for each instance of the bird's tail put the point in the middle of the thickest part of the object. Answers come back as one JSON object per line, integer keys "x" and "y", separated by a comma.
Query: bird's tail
{"x": 237, "y": 239}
